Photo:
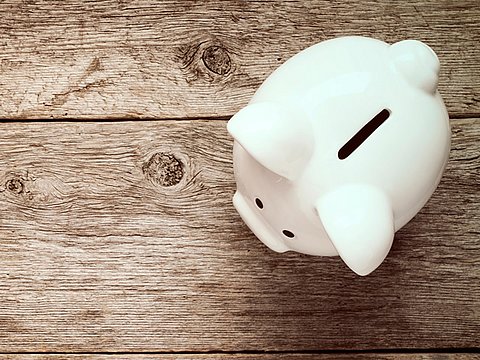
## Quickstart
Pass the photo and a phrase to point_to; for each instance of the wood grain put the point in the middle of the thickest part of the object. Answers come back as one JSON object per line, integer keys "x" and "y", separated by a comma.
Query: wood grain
{"x": 259, "y": 356}
{"x": 183, "y": 59}
{"x": 97, "y": 253}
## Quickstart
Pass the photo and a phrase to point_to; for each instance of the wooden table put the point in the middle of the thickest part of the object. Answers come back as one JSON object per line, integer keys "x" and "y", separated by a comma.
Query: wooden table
{"x": 118, "y": 237}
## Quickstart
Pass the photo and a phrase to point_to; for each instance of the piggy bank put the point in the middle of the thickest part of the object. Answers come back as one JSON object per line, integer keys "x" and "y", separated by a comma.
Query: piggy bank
{"x": 340, "y": 147}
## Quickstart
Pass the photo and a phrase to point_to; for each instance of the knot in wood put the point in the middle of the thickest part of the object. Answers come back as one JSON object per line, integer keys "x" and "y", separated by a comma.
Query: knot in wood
{"x": 163, "y": 169}
{"x": 217, "y": 60}
{"x": 15, "y": 186}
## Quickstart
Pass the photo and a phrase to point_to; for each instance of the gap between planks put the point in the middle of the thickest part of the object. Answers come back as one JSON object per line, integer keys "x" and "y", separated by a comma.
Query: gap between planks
{"x": 340, "y": 355}
{"x": 128, "y": 119}
{"x": 115, "y": 119}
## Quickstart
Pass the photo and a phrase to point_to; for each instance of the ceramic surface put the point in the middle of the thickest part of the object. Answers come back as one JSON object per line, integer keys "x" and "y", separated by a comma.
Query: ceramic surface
{"x": 340, "y": 147}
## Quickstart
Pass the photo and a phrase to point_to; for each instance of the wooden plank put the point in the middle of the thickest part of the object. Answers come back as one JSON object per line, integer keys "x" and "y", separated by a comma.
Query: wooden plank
{"x": 179, "y": 59}
{"x": 259, "y": 356}
{"x": 98, "y": 254}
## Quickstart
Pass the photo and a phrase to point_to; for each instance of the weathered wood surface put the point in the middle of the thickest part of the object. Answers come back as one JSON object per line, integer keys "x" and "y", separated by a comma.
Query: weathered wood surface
{"x": 97, "y": 254}
{"x": 185, "y": 59}
{"x": 259, "y": 356}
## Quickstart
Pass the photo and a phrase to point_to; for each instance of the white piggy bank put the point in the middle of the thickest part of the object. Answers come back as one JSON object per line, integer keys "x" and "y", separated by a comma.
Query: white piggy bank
{"x": 340, "y": 147}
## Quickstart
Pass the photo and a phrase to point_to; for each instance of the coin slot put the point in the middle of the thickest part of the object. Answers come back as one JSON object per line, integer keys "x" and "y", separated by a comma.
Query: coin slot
{"x": 363, "y": 134}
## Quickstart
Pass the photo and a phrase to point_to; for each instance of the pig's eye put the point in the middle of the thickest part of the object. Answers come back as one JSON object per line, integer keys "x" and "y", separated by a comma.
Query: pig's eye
{"x": 288, "y": 234}
{"x": 363, "y": 134}
{"x": 259, "y": 203}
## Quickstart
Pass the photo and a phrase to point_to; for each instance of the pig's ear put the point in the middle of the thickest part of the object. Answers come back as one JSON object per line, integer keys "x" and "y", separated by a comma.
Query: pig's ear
{"x": 274, "y": 135}
{"x": 359, "y": 221}
{"x": 417, "y": 63}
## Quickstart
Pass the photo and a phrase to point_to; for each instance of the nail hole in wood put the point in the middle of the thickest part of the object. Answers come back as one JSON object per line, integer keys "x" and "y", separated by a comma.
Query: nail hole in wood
{"x": 15, "y": 186}
{"x": 217, "y": 60}
{"x": 163, "y": 169}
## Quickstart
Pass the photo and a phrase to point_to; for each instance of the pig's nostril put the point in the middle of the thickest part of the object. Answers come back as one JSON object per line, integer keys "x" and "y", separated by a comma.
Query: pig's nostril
{"x": 288, "y": 233}
{"x": 259, "y": 203}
